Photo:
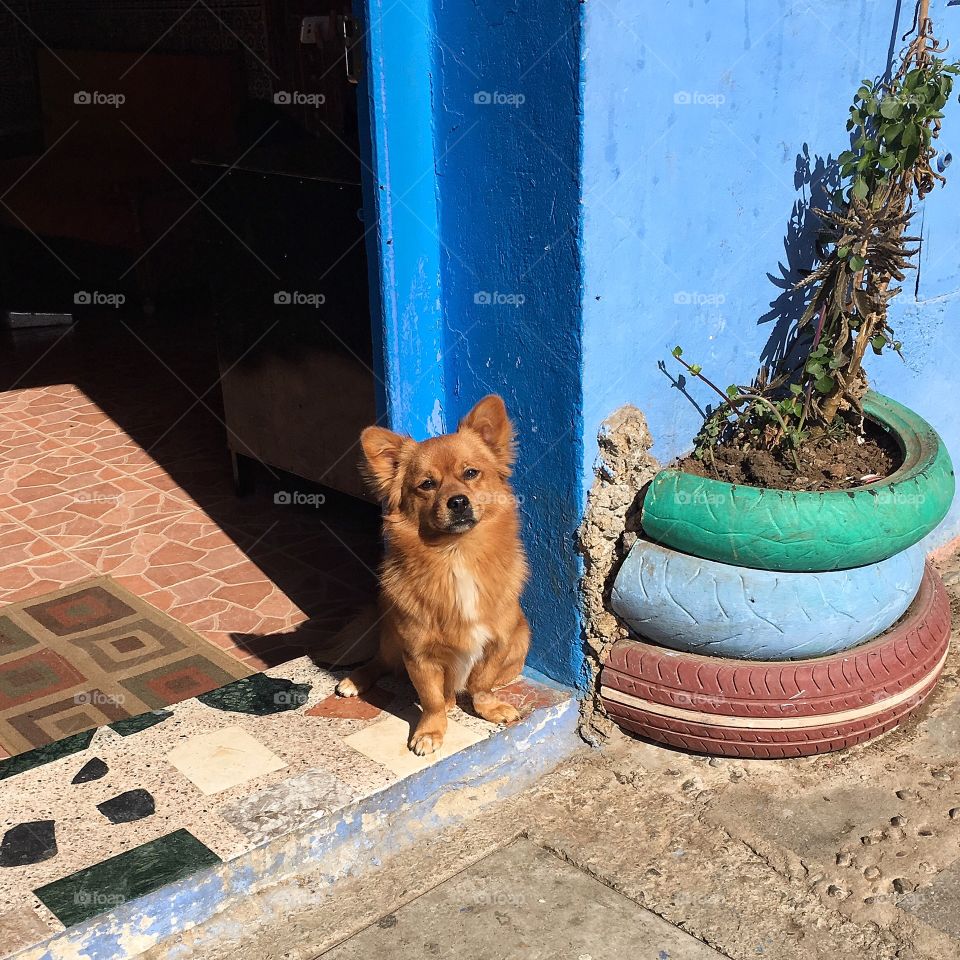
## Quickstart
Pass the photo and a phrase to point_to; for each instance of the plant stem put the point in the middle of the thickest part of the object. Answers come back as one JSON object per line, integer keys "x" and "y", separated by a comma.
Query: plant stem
{"x": 783, "y": 424}
{"x": 709, "y": 383}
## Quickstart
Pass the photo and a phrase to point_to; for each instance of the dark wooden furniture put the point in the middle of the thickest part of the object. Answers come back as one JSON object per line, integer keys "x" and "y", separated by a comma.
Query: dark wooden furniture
{"x": 290, "y": 296}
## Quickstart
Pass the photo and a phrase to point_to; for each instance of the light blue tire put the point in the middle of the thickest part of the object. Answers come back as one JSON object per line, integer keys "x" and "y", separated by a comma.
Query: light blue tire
{"x": 716, "y": 609}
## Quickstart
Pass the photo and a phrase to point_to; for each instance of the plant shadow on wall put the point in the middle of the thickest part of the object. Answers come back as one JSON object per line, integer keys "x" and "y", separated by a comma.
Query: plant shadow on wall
{"x": 800, "y": 423}
{"x": 817, "y": 179}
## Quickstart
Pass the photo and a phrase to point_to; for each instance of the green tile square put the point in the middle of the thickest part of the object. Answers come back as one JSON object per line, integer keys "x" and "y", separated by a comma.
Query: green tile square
{"x": 45, "y": 754}
{"x": 127, "y": 876}
{"x": 142, "y": 721}
{"x": 13, "y": 638}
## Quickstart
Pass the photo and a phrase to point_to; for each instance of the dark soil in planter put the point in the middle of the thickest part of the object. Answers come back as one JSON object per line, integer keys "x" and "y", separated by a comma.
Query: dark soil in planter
{"x": 825, "y": 464}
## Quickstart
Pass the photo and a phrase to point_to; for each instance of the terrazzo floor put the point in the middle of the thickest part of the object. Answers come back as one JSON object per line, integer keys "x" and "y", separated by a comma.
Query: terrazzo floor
{"x": 103, "y": 817}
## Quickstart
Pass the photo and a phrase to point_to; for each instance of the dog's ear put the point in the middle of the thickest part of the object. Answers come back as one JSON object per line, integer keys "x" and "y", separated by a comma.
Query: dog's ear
{"x": 382, "y": 453}
{"x": 489, "y": 419}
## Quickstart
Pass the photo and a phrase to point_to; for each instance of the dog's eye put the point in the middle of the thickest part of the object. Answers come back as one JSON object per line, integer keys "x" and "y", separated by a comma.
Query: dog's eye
{"x": 428, "y": 484}
{"x": 470, "y": 474}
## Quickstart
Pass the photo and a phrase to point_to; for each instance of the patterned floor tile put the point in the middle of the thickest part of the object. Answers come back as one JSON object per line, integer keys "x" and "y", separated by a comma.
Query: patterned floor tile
{"x": 39, "y": 575}
{"x": 20, "y": 545}
{"x": 93, "y": 654}
{"x": 82, "y": 516}
{"x": 18, "y": 443}
{"x": 218, "y": 761}
{"x": 35, "y": 676}
{"x": 49, "y": 474}
{"x": 164, "y": 553}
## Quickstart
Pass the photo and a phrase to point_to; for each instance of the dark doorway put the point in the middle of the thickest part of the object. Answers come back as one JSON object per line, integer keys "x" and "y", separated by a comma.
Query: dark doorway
{"x": 183, "y": 283}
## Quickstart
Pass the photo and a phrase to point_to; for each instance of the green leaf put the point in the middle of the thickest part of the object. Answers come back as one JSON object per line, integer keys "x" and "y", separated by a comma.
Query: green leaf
{"x": 695, "y": 368}
{"x": 677, "y": 351}
{"x": 860, "y": 188}
{"x": 857, "y": 263}
{"x": 733, "y": 391}
{"x": 796, "y": 389}
{"x": 892, "y": 131}
{"x": 842, "y": 252}
{"x": 824, "y": 384}
{"x": 890, "y": 108}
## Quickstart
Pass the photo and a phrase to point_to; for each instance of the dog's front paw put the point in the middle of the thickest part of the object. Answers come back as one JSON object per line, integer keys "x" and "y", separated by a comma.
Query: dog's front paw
{"x": 347, "y": 688}
{"x": 495, "y": 711}
{"x": 425, "y": 743}
{"x": 502, "y": 713}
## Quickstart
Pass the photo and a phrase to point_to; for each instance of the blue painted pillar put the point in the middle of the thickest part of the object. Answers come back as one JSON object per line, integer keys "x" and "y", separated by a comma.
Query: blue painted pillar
{"x": 401, "y": 211}
{"x": 474, "y": 184}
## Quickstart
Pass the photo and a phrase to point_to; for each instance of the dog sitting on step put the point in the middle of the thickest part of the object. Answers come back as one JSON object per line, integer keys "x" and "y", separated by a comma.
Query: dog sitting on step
{"x": 453, "y": 571}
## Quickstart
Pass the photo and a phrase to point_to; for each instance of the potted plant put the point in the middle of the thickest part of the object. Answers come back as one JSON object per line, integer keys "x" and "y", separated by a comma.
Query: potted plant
{"x": 790, "y": 531}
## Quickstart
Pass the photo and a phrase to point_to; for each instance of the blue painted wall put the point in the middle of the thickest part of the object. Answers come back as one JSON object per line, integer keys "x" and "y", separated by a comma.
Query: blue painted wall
{"x": 508, "y": 146}
{"x": 400, "y": 208}
{"x": 703, "y": 127}
{"x": 562, "y": 191}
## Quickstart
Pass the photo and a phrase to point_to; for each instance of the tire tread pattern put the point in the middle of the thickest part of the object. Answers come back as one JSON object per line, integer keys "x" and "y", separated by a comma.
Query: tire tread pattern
{"x": 895, "y": 661}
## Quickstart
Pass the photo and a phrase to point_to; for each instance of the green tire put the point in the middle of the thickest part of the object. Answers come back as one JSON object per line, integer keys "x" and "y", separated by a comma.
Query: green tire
{"x": 801, "y": 531}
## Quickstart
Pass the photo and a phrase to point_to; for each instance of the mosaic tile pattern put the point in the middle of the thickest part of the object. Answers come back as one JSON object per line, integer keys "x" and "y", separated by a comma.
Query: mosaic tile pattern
{"x": 128, "y": 875}
{"x": 228, "y": 780}
{"x": 95, "y": 654}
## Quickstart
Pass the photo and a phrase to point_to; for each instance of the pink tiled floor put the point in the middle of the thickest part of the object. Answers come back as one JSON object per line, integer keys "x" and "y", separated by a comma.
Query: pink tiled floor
{"x": 116, "y": 468}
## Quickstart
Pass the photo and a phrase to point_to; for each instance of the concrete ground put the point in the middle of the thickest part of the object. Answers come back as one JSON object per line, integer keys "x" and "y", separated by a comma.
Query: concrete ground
{"x": 640, "y": 851}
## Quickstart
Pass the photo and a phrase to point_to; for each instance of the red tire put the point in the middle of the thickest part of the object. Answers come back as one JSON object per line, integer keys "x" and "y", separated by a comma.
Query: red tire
{"x": 754, "y": 708}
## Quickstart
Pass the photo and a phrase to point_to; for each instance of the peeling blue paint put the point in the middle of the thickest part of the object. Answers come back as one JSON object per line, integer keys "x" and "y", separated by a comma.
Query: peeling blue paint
{"x": 349, "y": 841}
{"x": 403, "y": 247}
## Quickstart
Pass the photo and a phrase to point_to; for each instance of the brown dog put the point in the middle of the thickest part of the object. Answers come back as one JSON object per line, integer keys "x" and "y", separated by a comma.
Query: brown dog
{"x": 454, "y": 568}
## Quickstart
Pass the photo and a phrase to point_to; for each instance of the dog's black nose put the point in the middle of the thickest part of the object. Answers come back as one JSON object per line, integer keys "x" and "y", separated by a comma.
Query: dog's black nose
{"x": 458, "y": 504}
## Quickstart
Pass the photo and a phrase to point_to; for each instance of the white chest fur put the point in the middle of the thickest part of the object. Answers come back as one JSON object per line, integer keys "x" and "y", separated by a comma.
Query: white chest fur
{"x": 465, "y": 591}
{"x": 467, "y": 596}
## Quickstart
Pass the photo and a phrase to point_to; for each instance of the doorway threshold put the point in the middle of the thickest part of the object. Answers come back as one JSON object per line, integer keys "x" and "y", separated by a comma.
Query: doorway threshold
{"x": 117, "y": 840}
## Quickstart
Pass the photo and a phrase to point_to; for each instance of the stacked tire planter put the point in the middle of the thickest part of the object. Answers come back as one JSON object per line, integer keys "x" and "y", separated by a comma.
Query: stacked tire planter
{"x": 773, "y": 623}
